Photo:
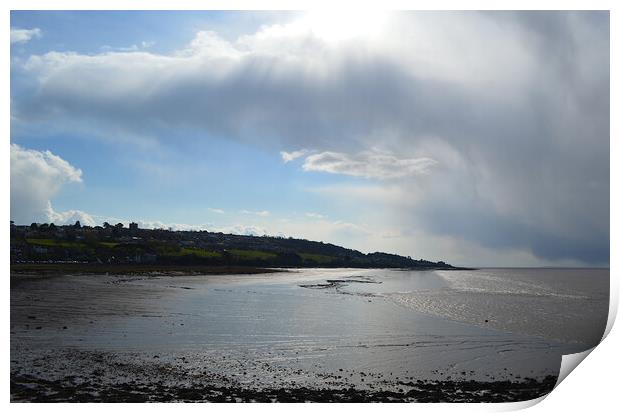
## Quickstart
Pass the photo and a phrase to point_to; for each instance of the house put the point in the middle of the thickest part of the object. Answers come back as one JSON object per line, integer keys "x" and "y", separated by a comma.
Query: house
{"x": 148, "y": 258}
{"x": 145, "y": 258}
{"x": 40, "y": 250}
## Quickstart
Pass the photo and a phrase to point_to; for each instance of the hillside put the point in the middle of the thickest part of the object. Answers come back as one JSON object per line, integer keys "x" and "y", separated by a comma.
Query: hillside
{"x": 48, "y": 243}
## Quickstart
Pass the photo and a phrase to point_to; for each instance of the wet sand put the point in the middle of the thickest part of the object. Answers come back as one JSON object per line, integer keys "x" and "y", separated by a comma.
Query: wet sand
{"x": 278, "y": 337}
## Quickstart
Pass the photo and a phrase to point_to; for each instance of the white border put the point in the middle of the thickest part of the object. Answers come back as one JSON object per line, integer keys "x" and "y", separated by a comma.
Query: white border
{"x": 592, "y": 386}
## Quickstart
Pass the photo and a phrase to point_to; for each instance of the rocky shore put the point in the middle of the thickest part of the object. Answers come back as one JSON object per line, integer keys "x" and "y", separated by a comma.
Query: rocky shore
{"x": 105, "y": 377}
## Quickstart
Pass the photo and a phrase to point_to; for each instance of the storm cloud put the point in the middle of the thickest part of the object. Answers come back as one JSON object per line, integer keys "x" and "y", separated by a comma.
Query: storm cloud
{"x": 493, "y": 125}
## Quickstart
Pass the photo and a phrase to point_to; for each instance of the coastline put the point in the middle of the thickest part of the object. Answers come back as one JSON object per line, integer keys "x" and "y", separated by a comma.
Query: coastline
{"x": 146, "y": 270}
{"x": 124, "y": 338}
{"x": 175, "y": 270}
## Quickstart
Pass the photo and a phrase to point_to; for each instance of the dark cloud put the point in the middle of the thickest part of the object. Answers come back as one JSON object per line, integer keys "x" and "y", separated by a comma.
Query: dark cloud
{"x": 485, "y": 227}
{"x": 514, "y": 107}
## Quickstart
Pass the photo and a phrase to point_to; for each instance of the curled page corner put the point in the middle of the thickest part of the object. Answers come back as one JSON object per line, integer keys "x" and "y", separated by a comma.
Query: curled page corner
{"x": 525, "y": 404}
{"x": 569, "y": 362}
{"x": 613, "y": 309}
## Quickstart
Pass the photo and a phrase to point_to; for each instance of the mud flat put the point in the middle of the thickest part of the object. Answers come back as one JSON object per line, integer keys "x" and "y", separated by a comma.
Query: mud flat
{"x": 308, "y": 335}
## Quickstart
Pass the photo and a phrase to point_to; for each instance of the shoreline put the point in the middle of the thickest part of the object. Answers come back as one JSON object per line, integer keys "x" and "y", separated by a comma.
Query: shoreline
{"x": 96, "y": 376}
{"x": 51, "y": 269}
{"x": 31, "y": 389}
{"x": 147, "y": 270}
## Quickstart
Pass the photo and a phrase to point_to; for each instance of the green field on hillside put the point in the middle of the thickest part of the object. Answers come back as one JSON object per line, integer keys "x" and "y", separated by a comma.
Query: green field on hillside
{"x": 318, "y": 258}
{"x": 198, "y": 252}
{"x": 48, "y": 242}
{"x": 252, "y": 255}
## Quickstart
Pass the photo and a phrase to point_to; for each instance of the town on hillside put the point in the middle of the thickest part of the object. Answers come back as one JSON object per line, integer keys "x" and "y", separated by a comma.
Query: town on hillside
{"x": 119, "y": 244}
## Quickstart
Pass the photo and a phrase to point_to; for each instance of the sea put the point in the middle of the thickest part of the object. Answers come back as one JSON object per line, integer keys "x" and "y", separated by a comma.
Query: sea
{"x": 305, "y": 325}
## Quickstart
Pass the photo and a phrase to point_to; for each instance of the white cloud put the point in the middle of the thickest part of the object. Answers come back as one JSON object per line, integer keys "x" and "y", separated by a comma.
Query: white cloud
{"x": 315, "y": 215}
{"x": 68, "y": 217}
{"x": 368, "y": 164}
{"x": 512, "y": 108}
{"x": 344, "y": 233}
{"x": 323, "y": 86}
{"x": 257, "y": 213}
{"x": 291, "y": 156}
{"x": 132, "y": 48}
{"x": 36, "y": 177}
{"x": 24, "y": 35}
{"x": 216, "y": 210}
{"x": 238, "y": 229}
{"x": 162, "y": 225}
{"x": 42, "y": 164}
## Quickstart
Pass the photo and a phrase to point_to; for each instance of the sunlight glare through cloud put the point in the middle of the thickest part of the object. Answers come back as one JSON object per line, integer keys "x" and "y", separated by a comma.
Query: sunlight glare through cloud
{"x": 335, "y": 25}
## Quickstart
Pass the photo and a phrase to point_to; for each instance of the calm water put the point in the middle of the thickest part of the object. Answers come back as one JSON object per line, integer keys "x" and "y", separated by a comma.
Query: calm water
{"x": 486, "y": 324}
{"x": 569, "y": 305}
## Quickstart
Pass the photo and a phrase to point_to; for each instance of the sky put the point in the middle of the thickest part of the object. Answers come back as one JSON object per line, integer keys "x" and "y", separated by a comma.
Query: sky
{"x": 477, "y": 138}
